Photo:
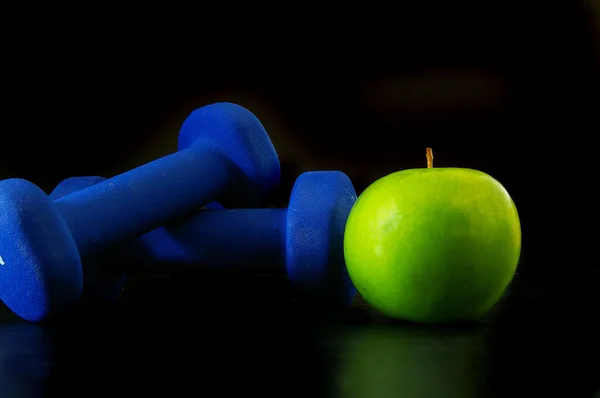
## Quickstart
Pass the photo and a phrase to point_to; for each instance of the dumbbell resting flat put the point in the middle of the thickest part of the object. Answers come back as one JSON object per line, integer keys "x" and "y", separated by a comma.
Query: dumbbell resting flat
{"x": 304, "y": 241}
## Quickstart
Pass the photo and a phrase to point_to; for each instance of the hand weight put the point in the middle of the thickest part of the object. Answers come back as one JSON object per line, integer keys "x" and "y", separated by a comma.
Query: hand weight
{"x": 304, "y": 240}
{"x": 225, "y": 155}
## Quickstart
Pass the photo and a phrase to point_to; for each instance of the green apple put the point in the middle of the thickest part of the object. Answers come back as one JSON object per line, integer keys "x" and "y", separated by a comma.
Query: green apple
{"x": 433, "y": 245}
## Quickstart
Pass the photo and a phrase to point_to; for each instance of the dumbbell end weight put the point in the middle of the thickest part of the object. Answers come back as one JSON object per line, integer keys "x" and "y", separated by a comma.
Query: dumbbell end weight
{"x": 316, "y": 220}
{"x": 304, "y": 241}
{"x": 40, "y": 268}
{"x": 225, "y": 156}
{"x": 41, "y": 242}
{"x": 239, "y": 135}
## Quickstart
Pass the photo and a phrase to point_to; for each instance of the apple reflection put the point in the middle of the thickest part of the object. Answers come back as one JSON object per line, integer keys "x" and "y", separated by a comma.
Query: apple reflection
{"x": 25, "y": 360}
{"x": 380, "y": 361}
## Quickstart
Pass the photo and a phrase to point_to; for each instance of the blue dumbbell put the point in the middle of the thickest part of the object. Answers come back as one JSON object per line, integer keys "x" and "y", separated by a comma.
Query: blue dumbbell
{"x": 304, "y": 240}
{"x": 225, "y": 155}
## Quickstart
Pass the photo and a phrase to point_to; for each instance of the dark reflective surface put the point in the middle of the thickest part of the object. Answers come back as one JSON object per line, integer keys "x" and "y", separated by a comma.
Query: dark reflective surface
{"x": 247, "y": 335}
{"x": 25, "y": 360}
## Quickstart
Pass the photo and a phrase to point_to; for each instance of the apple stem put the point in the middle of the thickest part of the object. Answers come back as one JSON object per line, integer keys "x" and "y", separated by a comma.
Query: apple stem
{"x": 429, "y": 156}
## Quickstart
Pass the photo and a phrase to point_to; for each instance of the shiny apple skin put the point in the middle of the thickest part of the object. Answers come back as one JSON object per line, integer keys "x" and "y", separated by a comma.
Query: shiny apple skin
{"x": 433, "y": 245}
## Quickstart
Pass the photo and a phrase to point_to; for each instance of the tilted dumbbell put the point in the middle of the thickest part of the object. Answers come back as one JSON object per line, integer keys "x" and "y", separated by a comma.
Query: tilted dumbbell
{"x": 305, "y": 240}
{"x": 225, "y": 155}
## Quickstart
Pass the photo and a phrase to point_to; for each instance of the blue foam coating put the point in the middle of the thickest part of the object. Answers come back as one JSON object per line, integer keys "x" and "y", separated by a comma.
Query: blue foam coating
{"x": 100, "y": 281}
{"x": 169, "y": 245}
{"x": 40, "y": 274}
{"x": 238, "y": 136}
{"x": 317, "y": 214}
{"x": 40, "y": 268}
{"x": 227, "y": 240}
{"x": 305, "y": 240}
{"x": 210, "y": 168}
{"x": 73, "y": 184}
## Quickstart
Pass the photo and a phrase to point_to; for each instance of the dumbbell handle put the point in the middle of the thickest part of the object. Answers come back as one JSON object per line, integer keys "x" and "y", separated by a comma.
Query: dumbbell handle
{"x": 245, "y": 239}
{"x": 127, "y": 205}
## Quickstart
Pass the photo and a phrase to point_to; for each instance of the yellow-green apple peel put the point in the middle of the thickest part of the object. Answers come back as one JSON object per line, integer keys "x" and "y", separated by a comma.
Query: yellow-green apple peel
{"x": 433, "y": 245}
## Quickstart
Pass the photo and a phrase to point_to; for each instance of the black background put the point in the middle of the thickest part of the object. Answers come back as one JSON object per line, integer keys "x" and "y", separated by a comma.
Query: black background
{"x": 506, "y": 89}
{"x": 510, "y": 91}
